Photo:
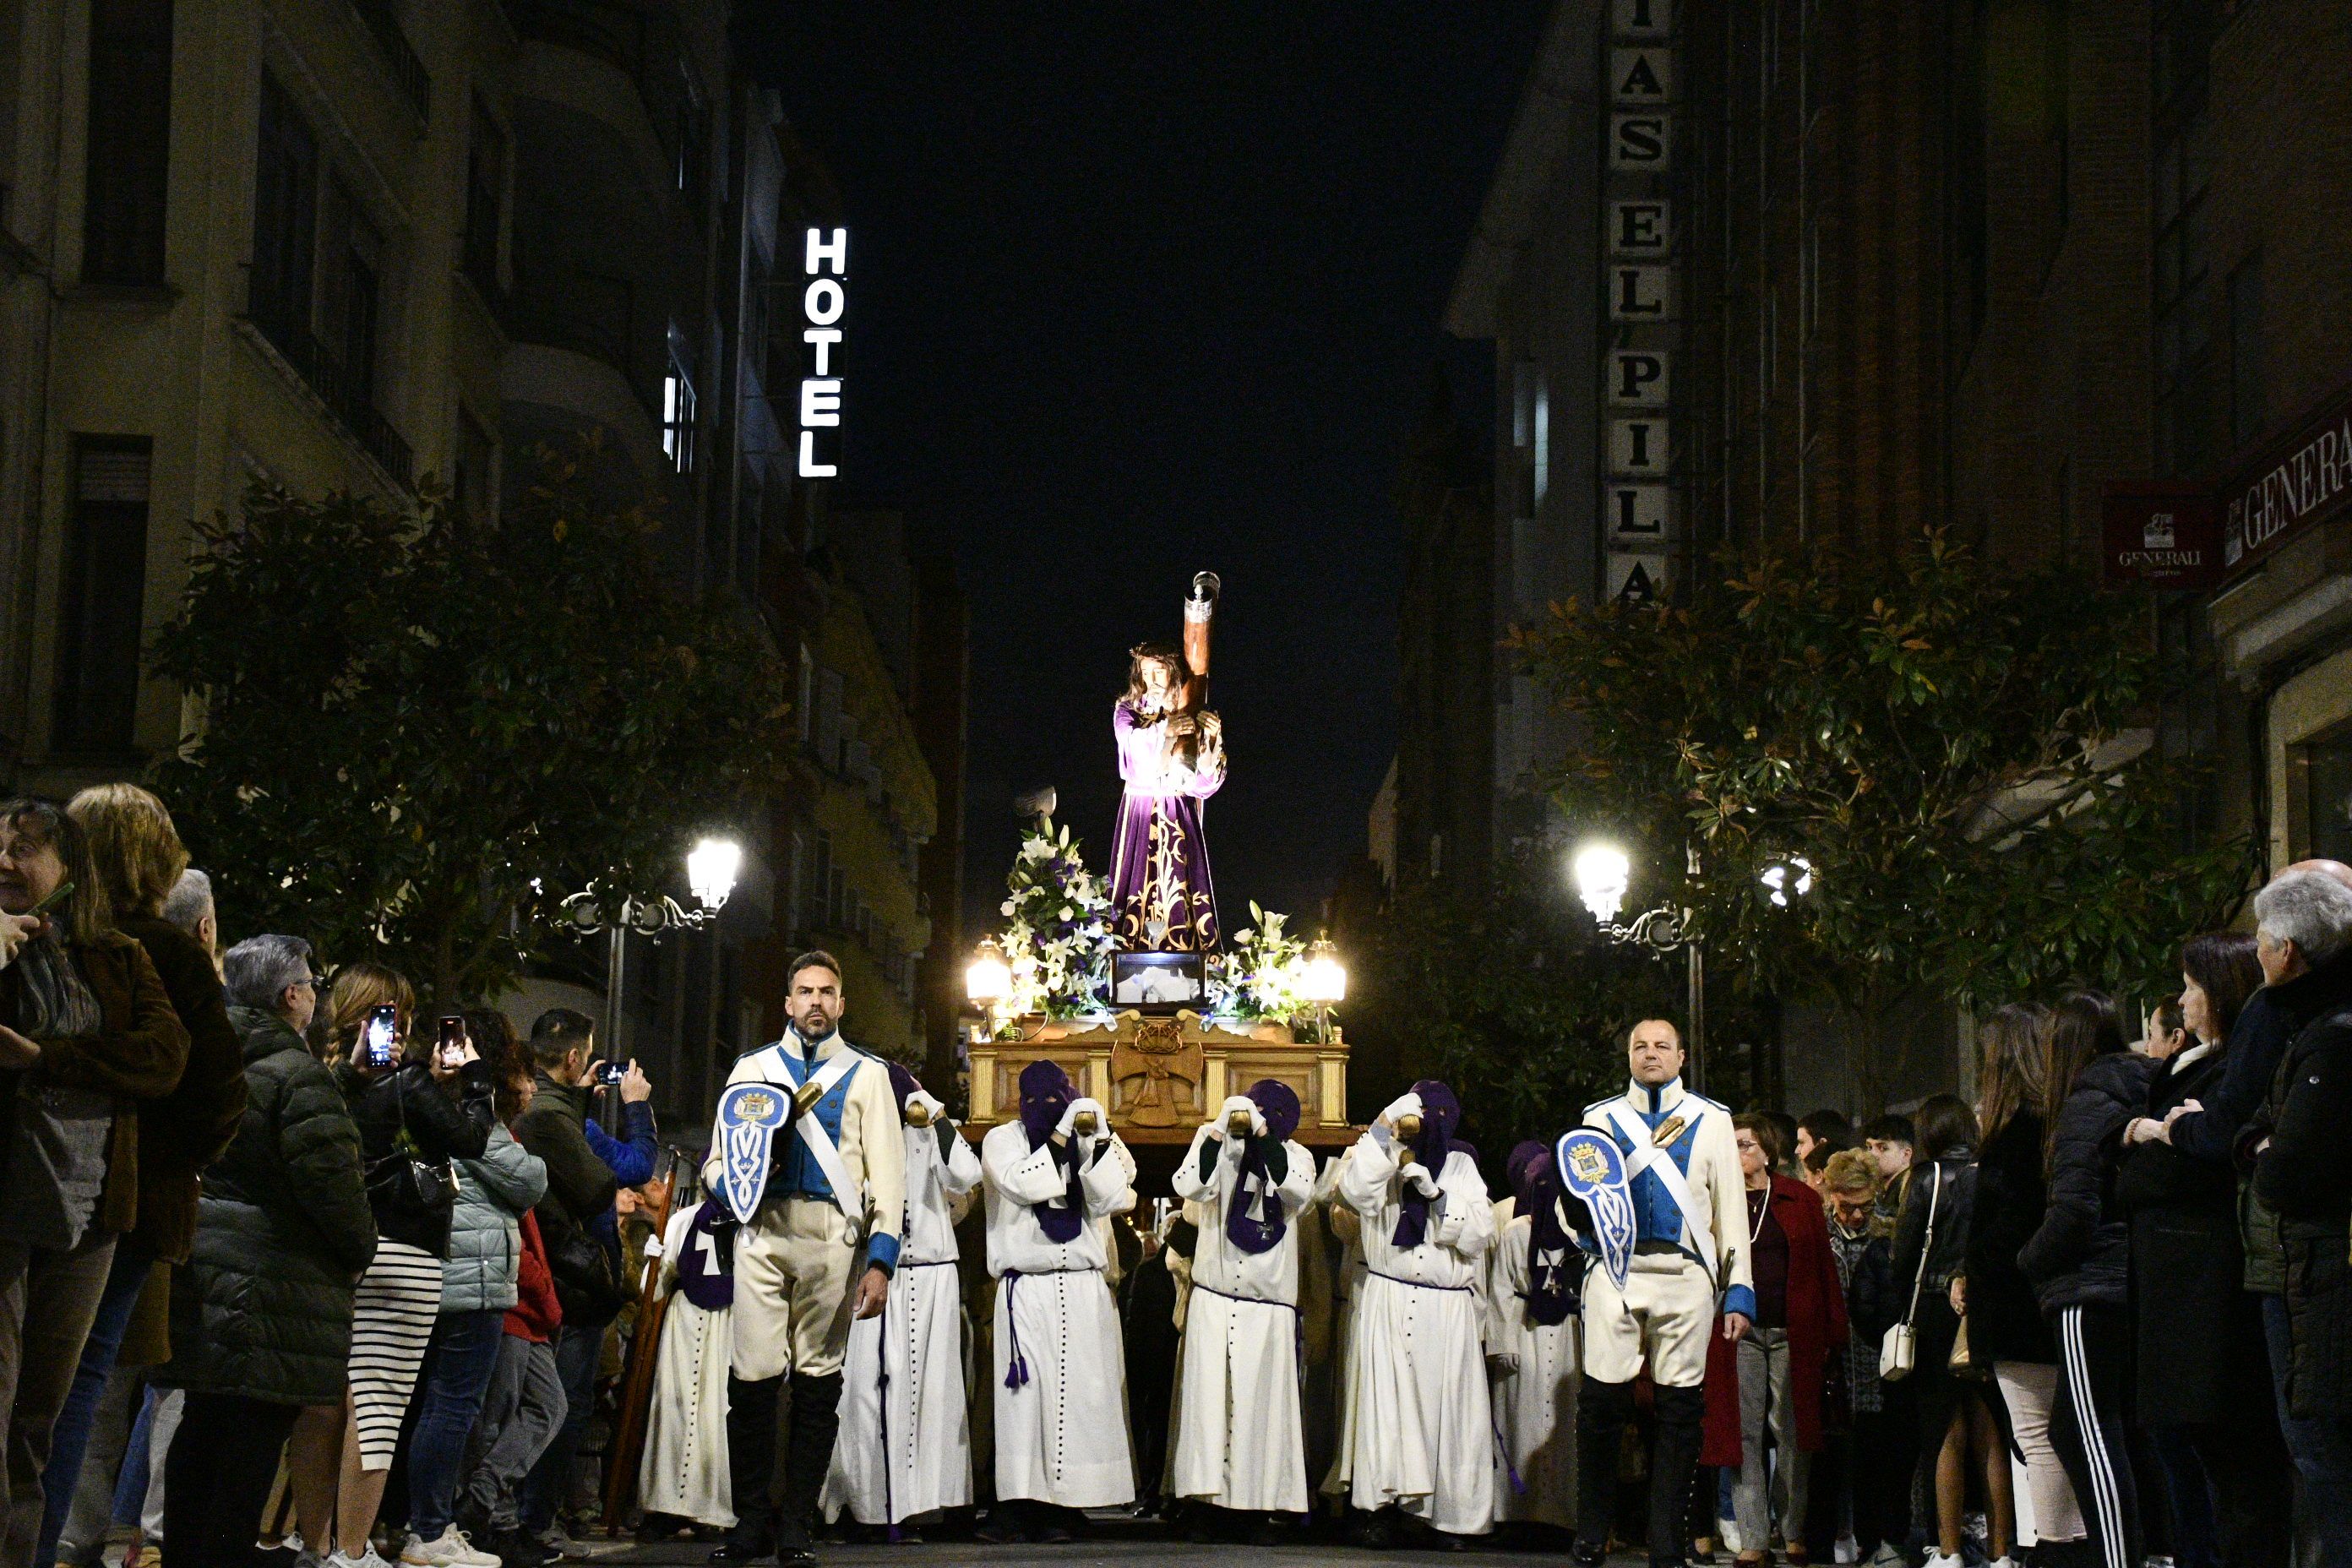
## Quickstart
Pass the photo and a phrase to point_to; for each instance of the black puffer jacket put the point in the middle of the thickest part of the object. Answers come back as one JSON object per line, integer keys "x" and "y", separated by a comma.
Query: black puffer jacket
{"x": 2081, "y": 1256}
{"x": 438, "y": 1128}
{"x": 2305, "y": 1177}
{"x": 2005, "y": 1322}
{"x": 263, "y": 1306}
{"x": 1944, "y": 1193}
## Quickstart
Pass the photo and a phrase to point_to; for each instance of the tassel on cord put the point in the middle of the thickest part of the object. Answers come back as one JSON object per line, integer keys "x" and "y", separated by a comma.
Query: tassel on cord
{"x": 1016, "y": 1370}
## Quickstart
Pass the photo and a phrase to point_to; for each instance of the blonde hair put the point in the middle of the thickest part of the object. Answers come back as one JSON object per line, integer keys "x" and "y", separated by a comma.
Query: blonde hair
{"x": 133, "y": 845}
{"x": 1851, "y": 1171}
{"x": 359, "y": 989}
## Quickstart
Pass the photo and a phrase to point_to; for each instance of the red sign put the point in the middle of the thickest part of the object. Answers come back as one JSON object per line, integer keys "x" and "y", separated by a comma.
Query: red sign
{"x": 2162, "y": 535}
{"x": 2293, "y": 483}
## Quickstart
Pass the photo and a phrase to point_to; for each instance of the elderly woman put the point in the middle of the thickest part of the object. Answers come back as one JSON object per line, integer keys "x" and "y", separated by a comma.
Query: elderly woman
{"x": 138, "y": 859}
{"x": 261, "y": 1317}
{"x": 85, "y": 1034}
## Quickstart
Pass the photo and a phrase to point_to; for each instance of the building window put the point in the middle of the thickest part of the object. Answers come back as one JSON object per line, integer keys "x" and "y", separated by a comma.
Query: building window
{"x": 477, "y": 459}
{"x": 2320, "y": 788}
{"x": 2183, "y": 309}
{"x": 100, "y": 621}
{"x": 2249, "y": 406}
{"x": 130, "y": 142}
{"x": 678, "y": 416}
{"x": 486, "y": 196}
{"x": 315, "y": 288}
{"x": 285, "y": 216}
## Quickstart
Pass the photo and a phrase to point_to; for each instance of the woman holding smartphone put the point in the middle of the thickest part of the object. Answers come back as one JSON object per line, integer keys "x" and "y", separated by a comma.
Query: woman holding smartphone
{"x": 441, "y": 1099}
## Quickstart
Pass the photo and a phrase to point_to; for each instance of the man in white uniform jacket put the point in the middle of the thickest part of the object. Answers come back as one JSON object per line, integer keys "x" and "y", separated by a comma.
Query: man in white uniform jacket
{"x": 1060, "y": 1367}
{"x": 834, "y": 1192}
{"x": 1531, "y": 1343}
{"x": 1420, "y": 1433}
{"x": 906, "y": 1444}
{"x": 1689, "y": 1255}
{"x": 1240, "y": 1443}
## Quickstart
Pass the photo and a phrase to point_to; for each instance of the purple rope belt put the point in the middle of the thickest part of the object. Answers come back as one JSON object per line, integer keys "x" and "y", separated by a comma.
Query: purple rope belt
{"x": 1017, "y": 1367}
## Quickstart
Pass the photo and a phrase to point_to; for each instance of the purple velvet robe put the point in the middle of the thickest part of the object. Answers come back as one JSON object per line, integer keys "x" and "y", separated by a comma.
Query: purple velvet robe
{"x": 1163, "y": 897}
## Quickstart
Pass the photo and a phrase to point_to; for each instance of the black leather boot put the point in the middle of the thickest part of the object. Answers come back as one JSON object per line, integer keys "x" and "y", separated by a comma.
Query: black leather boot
{"x": 751, "y": 1467}
{"x": 1601, "y": 1411}
{"x": 815, "y": 1423}
{"x": 1682, "y": 1413}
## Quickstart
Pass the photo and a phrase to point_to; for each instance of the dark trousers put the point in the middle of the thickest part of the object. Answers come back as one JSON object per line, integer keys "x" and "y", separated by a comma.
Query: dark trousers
{"x": 2104, "y": 1452}
{"x": 70, "y": 1438}
{"x": 543, "y": 1489}
{"x": 456, "y": 1375}
{"x": 2322, "y": 1450}
{"x": 1869, "y": 1467}
{"x": 216, "y": 1479}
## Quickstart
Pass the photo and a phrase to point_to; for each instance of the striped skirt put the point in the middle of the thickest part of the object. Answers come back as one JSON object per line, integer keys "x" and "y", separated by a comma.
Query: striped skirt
{"x": 392, "y": 1319}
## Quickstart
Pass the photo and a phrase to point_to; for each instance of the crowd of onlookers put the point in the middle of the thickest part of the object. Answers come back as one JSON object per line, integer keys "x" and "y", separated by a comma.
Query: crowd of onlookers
{"x": 2124, "y": 1281}
{"x": 373, "y": 1329}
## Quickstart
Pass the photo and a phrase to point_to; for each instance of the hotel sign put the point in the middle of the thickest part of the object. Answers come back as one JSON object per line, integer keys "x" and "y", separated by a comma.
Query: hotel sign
{"x": 2294, "y": 483}
{"x": 826, "y": 263}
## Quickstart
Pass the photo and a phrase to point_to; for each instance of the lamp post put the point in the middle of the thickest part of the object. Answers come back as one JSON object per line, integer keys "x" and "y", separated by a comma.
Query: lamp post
{"x": 1326, "y": 983}
{"x": 1603, "y": 877}
{"x": 710, "y": 870}
{"x": 988, "y": 979}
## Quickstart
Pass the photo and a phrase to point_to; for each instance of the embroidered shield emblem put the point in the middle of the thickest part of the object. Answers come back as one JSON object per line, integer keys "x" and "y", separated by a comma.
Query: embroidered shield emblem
{"x": 1593, "y": 1170}
{"x": 748, "y": 1116}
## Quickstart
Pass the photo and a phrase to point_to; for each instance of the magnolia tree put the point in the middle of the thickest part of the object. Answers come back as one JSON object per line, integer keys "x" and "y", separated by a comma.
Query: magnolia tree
{"x": 1941, "y": 748}
{"x": 422, "y": 731}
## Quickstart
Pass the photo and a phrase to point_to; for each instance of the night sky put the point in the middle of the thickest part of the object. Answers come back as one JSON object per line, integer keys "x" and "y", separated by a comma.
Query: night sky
{"x": 1136, "y": 292}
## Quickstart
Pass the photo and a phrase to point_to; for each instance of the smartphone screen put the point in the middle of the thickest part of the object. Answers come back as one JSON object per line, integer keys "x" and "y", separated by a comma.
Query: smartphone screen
{"x": 382, "y": 1024}
{"x": 453, "y": 1036}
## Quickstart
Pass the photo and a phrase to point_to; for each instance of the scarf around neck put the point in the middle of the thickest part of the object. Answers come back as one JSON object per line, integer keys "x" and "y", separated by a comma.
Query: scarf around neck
{"x": 1254, "y": 1218}
{"x": 1045, "y": 1093}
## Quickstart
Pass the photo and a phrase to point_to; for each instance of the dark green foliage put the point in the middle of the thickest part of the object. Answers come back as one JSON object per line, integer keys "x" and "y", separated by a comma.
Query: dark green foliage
{"x": 422, "y": 731}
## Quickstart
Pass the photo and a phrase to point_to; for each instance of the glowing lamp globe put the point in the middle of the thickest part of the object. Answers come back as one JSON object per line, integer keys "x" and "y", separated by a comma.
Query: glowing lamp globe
{"x": 1603, "y": 875}
{"x": 1327, "y": 977}
{"x": 989, "y": 979}
{"x": 711, "y": 869}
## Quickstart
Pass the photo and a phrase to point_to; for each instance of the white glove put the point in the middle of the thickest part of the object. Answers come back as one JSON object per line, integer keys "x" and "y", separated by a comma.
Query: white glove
{"x": 1079, "y": 1107}
{"x": 1238, "y": 1105}
{"x": 1418, "y": 1178}
{"x": 1405, "y": 1104}
{"x": 925, "y": 1099}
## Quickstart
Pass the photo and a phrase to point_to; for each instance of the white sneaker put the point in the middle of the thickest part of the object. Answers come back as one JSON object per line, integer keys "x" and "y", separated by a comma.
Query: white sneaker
{"x": 451, "y": 1548}
{"x": 368, "y": 1559}
{"x": 1938, "y": 1560}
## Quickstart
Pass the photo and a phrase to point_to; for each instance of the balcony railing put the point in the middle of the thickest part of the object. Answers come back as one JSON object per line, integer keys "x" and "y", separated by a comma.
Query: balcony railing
{"x": 345, "y": 393}
{"x": 639, "y": 43}
{"x": 409, "y": 71}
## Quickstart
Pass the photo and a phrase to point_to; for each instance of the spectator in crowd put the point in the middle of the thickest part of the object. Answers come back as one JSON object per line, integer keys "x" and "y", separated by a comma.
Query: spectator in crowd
{"x": 1764, "y": 1390}
{"x": 2211, "y": 1133}
{"x": 261, "y": 1316}
{"x": 411, "y": 1128}
{"x": 2006, "y": 1327}
{"x": 574, "y": 1216}
{"x": 525, "y": 1405}
{"x": 189, "y": 906}
{"x": 2303, "y": 934}
{"x": 1957, "y": 1442}
{"x": 2168, "y": 1033}
{"x": 138, "y": 859}
{"x": 86, "y": 1036}
{"x": 2079, "y": 1261}
{"x": 1889, "y": 1140}
{"x": 2196, "y": 1330}
{"x": 1868, "y": 1464}
{"x": 1784, "y": 1132}
{"x": 1824, "y": 1128}
{"x": 478, "y": 1288}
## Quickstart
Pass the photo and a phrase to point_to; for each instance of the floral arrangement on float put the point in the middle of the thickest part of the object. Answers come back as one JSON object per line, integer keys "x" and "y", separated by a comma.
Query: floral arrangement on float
{"x": 1058, "y": 943}
{"x": 1262, "y": 973}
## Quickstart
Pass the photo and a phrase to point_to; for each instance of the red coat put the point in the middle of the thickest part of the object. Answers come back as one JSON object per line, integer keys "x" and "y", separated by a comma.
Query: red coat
{"x": 535, "y": 1316}
{"x": 1817, "y": 1328}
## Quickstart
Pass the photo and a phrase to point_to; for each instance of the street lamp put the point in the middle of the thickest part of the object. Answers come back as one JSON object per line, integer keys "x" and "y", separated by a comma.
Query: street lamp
{"x": 1326, "y": 982}
{"x": 1785, "y": 880}
{"x": 1603, "y": 877}
{"x": 989, "y": 979}
{"x": 711, "y": 869}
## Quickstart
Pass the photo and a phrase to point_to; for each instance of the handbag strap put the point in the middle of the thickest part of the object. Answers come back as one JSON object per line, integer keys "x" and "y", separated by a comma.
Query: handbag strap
{"x": 1927, "y": 1248}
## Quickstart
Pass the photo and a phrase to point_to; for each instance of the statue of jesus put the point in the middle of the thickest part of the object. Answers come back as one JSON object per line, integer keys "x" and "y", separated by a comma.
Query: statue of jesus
{"x": 1171, "y": 758}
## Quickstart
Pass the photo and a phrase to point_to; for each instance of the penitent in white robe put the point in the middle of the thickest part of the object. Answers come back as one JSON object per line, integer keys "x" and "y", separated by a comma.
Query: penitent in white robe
{"x": 1239, "y": 1441}
{"x": 1420, "y": 1432}
{"x": 905, "y": 1450}
{"x": 1534, "y": 1368}
{"x": 1061, "y": 1436}
{"x": 1345, "y": 1292}
{"x": 684, "y": 1471}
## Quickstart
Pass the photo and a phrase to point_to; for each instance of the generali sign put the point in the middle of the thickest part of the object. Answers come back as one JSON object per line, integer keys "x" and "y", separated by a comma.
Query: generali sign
{"x": 2163, "y": 535}
{"x": 2291, "y": 484}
